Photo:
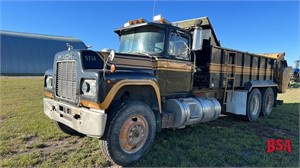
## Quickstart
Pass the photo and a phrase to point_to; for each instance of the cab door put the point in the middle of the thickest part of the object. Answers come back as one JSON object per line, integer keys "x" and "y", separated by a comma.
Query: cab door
{"x": 179, "y": 65}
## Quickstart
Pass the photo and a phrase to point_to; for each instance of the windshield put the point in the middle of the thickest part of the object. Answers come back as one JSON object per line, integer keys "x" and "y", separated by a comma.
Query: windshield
{"x": 147, "y": 40}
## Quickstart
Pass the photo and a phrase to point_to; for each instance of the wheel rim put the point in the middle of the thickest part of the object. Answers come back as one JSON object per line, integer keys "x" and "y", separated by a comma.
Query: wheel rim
{"x": 254, "y": 105}
{"x": 133, "y": 134}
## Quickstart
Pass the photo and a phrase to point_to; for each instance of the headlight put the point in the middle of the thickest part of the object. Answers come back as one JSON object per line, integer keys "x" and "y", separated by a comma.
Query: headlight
{"x": 88, "y": 87}
{"x": 49, "y": 81}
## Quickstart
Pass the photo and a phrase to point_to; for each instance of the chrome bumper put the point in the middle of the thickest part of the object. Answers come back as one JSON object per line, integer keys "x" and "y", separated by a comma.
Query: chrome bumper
{"x": 90, "y": 122}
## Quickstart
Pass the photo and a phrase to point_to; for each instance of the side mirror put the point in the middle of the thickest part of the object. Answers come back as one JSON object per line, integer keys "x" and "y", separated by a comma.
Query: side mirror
{"x": 197, "y": 39}
{"x": 111, "y": 55}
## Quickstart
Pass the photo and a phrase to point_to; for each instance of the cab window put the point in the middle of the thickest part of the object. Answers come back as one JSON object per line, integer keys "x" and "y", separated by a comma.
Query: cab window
{"x": 178, "y": 46}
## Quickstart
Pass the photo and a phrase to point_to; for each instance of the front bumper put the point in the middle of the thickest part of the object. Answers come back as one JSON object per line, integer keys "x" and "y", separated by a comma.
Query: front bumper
{"x": 90, "y": 122}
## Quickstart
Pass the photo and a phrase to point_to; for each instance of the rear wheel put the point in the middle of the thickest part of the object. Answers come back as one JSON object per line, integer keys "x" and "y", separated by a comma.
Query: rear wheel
{"x": 130, "y": 134}
{"x": 253, "y": 105}
{"x": 267, "y": 101}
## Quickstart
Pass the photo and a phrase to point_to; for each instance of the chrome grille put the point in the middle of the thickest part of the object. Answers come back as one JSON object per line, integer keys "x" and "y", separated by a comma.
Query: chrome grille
{"x": 66, "y": 80}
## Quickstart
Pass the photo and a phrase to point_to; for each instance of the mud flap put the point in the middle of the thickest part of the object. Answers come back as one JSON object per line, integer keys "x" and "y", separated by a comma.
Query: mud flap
{"x": 284, "y": 79}
{"x": 236, "y": 102}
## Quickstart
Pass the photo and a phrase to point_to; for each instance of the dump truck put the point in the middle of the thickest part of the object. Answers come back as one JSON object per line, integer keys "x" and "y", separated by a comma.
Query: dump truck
{"x": 166, "y": 75}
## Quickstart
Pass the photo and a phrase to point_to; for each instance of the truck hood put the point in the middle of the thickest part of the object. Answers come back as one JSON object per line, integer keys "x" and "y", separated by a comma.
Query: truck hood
{"x": 95, "y": 60}
{"x": 87, "y": 58}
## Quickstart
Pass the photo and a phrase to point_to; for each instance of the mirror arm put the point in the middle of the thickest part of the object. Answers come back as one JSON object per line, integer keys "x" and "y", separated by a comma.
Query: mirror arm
{"x": 110, "y": 57}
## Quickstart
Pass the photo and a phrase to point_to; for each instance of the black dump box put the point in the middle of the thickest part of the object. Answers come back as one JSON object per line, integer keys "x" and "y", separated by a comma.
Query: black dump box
{"x": 217, "y": 67}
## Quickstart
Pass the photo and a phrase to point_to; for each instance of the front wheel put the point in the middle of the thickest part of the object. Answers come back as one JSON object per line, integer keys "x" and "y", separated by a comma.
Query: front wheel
{"x": 253, "y": 105}
{"x": 130, "y": 134}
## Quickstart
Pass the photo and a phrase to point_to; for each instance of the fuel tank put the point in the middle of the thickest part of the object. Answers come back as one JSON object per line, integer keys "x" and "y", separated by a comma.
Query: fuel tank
{"x": 188, "y": 111}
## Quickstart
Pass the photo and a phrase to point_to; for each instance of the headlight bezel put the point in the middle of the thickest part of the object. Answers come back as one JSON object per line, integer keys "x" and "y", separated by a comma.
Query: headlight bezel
{"x": 88, "y": 87}
{"x": 49, "y": 82}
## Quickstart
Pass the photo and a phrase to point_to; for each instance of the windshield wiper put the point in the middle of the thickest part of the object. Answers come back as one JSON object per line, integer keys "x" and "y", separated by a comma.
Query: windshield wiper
{"x": 144, "y": 53}
{"x": 141, "y": 53}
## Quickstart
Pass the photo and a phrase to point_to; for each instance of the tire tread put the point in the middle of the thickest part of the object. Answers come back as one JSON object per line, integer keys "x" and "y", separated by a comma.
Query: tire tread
{"x": 106, "y": 146}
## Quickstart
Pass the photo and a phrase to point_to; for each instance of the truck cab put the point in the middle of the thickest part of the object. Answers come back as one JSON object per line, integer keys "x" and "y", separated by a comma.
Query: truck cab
{"x": 168, "y": 46}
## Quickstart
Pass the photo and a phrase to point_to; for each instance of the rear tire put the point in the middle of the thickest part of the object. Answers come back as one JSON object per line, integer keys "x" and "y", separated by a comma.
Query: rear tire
{"x": 253, "y": 105}
{"x": 130, "y": 134}
{"x": 267, "y": 102}
{"x": 66, "y": 129}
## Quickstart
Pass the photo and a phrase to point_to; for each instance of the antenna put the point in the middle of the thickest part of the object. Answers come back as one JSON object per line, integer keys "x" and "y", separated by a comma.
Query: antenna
{"x": 154, "y": 3}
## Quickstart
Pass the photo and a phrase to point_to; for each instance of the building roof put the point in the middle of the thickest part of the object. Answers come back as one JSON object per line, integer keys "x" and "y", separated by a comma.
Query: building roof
{"x": 27, "y": 53}
{"x": 38, "y": 36}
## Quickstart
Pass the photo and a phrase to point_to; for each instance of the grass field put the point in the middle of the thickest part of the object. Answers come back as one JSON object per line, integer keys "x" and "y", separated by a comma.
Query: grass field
{"x": 28, "y": 138}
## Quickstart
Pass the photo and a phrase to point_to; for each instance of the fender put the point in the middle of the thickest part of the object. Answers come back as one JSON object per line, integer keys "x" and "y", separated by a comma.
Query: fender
{"x": 258, "y": 83}
{"x": 114, "y": 90}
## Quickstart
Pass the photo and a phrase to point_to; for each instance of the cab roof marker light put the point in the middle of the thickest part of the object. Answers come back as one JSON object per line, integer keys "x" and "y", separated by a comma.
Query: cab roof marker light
{"x": 142, "y": 20}
{"x": 135, "y": 21}
{"x": 126, "y": 24}
{"x": 129, "y": 23}
{"x": 160, "y": 19}
{"x": 157, "y": 18}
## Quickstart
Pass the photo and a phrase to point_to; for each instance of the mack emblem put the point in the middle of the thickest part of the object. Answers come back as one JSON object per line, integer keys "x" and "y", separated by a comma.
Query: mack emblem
{"x": 68, "y": 56}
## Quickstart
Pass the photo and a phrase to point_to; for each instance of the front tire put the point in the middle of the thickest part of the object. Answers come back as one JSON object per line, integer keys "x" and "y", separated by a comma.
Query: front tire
{"x": 130, "y": 134}
{"x": 253, "y": 105}
{"x": 267, "y": 101}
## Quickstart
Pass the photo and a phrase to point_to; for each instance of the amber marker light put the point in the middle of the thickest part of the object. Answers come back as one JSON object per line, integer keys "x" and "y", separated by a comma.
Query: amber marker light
{"x": 135, "y": 21}
{"x": 89, "y": 104}
{"x": 141, "y": 20}
{"x": 48, "y": 94}
{"x": 112, "y": 68}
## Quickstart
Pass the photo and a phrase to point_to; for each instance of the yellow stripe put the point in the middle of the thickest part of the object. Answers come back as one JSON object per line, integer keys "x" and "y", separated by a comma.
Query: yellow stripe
{"x": 179, "y": 66}
{"x": 221, "y": 68}
{"x": 114, "y": 90}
